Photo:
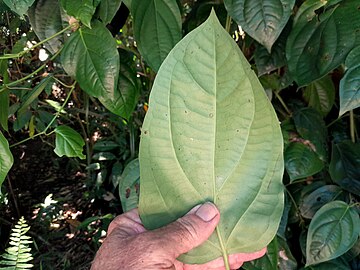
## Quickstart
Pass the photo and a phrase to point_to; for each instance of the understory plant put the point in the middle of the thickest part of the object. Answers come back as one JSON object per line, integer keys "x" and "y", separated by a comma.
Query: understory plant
{"x": 78, "y": 74}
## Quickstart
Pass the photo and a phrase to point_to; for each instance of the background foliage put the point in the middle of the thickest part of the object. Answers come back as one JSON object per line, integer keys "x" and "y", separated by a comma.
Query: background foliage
{"x": 78, "y": 75}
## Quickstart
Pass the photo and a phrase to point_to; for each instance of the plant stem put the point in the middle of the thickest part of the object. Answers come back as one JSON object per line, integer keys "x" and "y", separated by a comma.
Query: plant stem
{"x": 352, "y": 126}
{"x": 225, "y": 255}
{"x": 17, "y": 55}
{"x": 334, "y": 121}
{"x": 282, "y": 102}
{"x": 13, "y": 196}
{"x": 228, "y": 24}
{"x": 51, "y": 122}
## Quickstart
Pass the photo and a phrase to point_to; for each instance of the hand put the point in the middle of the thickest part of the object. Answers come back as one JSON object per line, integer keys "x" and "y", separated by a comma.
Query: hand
{"x": 130, "y": 246}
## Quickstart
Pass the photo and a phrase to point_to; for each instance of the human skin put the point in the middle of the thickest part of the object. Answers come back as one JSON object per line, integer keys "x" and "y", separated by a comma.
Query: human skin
{"x": 129, "y": 246}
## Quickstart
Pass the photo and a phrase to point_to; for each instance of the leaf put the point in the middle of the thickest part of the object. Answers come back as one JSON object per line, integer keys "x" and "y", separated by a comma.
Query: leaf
{"x": 126, "y": 95}
{"x": 319, "y": 43}
{"x": 4, "y": 96}
{"x": 83, "y": 10}
{"x": 129, "y": 186}
{"x": 344, "y": 166}
{"x": 46, "y": 19}
{"x": 6, "y": 158}
{"x": 107, "y": 10}
{"x": 312, "y": 202}
{"x": 278, "y": 256}
{"x": 68, "y": 142}
{"x": 263, "y": 20}
{"x": 34, "y": 93}
{"x": 320, "y": 95}
{"x": 95, "y": 66}
{"x": 310, "y": 125}
{"x": 350, "y": 84}
{"x": 301, "y": 161}
{"x": 157, "y": 28}
{"x": 211, "y": 134}
{"x": 19, "y": 6}
{"x": 333, "y": 231}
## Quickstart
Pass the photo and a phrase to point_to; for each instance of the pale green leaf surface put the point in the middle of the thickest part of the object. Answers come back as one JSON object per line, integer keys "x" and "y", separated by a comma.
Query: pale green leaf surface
{"x": 95, "y": 66}
{"x": 321, "y": 95}
{"x": 126, "y": 95}
{"x": 68, "y": 142}
{"x": 333, "y": 230}
{"x": 46, "y": 19}
{"x": 349, "y": 91}
{"x": 319, "y": 43}
{"x": 211, "y": 134}
{"x": 263, "y": 20}
{"x": 6, "y": 158}
{"x": 83, "y": 10}
{"x": 19, "y": 6}
{"x": 129, "y": 186}
{"x": 157, "y": 28}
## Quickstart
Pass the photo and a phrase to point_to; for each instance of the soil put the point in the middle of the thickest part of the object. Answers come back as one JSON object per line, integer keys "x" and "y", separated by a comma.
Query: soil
{"x": 38, "y": 172}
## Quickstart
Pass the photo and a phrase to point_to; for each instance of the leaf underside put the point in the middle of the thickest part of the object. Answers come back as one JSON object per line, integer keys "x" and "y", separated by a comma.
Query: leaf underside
{"x": 211, "y": 134}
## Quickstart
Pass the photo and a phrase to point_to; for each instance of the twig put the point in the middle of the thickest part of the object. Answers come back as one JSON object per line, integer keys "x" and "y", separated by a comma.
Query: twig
{"x": 13, "y": 196}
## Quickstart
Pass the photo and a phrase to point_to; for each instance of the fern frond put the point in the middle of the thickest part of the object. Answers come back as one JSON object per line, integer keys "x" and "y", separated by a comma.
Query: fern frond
{"x": 18, "y": 255}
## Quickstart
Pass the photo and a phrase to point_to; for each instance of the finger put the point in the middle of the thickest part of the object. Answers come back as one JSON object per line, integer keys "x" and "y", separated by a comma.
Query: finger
{"x": 128, "y": 222}
{"x": 189, "y": 231}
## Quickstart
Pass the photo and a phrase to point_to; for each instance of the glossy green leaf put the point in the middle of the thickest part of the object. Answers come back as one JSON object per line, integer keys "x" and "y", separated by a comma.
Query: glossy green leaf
{"x": 312, "y": 202}
{"x": 34, "y": 93}
{"x": 22, "y": 119}
{"x": 4, "y": 96}
{"x": 157, "y": 28}
{"x": 105, "y": 145}
{"x": 320, "y": 95}
{"x": 68, "y": 142}
{"x": 19, "y": 6}
{"x": 95, "y": 66}
{"x": 344, "y": 166}
{"x": 6, "y": 158}
{"x": 107, "y": 10}
{"x": 126, "y": 95}
{"x": 349, "y": 91}
{"x": 211, "y": 134}
{"x": 46, "y": 19}
{"x": 263, "y": 20}
{"x": 83, "y": 10}
{"x": 278, "y": 256}
{"x": 129, "y": 186}
{"x": 333, "y": 231}
{"x": 320, "y": 41}
{"x": 301, "y": 161}
{"x": 311, "y": 127}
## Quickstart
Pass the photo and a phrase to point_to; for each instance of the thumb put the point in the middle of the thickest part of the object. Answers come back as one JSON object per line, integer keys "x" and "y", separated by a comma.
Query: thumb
{"x": 191, "y": 230}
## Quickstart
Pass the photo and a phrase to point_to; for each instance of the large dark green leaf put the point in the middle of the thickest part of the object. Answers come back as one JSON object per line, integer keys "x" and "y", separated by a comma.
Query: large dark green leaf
{"x": 278, "y": 256}
{"x": 344, "y": 166}
{"x": 19, "y": 6}
{"x": 319, "y": 43}
{"x": 261, "y": 19}
{"x": 68, "y": 142}
{"x": 107, "y": 10}
{"x": 338, "y": 264}
{"x": 4, "y": 96}
{"x": 311, "y": 127}
{"x": 312, "y": 202}
{"x": 211, "y": 134}
{"x": 301, "y": 161}
{"x": 321, "y": 95}
{"x": 126, "y": 95}
{"x": 129, "y": 186}
{"x": 46, "y": 20}
{"x": 83, "y": 10}
{"x": 94, "y": 65}
{"x": 350, "y": 83}
{"x": 157, "y": 28}
{"x": 333, "y": 231}
{"x": 6, "y": 158}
